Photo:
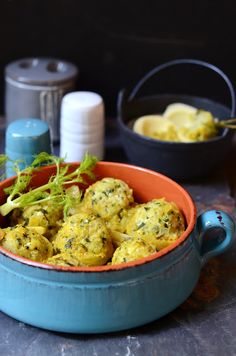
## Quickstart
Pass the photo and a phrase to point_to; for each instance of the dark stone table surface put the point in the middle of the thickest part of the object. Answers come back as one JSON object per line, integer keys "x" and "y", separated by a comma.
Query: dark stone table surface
{"x": 204, "y": 325}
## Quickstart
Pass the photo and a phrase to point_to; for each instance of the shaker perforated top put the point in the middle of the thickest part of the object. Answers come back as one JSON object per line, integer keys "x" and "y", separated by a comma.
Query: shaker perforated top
{"x": 82, "y": 99}
{"x": 25, "y": 138}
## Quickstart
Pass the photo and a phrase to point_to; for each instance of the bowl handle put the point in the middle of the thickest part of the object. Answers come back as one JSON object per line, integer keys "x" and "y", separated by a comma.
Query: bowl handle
{"x": 197, "y": 62}
{"x": 215, "y": 233}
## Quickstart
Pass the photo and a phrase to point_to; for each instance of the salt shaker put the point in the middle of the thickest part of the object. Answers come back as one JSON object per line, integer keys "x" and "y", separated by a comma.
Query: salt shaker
{"x": 81, "y": 125}
{"x": 25, "y": 138}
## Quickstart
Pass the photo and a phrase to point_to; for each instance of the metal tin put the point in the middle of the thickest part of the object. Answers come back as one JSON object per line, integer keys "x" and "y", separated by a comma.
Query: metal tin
{"x": 34, "y": 88}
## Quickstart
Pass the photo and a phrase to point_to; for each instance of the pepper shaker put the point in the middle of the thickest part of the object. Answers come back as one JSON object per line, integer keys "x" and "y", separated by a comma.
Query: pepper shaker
{"x": 82, "y": 125}
{"x": 25, "y": 138}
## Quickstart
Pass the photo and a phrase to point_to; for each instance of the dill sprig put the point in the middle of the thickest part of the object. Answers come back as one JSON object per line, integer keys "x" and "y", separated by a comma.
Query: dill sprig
{"x": 54, "y": 189}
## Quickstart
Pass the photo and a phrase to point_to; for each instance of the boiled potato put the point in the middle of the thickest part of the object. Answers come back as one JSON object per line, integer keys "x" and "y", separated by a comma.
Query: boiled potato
{"x": 157, "y": 127}
{"x": 177, "y": 112}
{"x": 179, "y": 123}
{"x": 201, "y": 128}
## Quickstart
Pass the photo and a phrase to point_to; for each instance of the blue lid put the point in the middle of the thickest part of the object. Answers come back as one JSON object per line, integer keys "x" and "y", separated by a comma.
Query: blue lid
{"x": 25, "y": 138}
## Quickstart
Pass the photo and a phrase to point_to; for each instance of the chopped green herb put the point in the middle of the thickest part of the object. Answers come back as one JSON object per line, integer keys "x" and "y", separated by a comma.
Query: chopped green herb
{"x": 142, "y": 224}
{"x": 69, "y": 243}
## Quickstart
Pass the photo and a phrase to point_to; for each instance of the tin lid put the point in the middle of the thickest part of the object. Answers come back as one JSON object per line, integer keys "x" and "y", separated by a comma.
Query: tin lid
{"x": 41, "y": 71}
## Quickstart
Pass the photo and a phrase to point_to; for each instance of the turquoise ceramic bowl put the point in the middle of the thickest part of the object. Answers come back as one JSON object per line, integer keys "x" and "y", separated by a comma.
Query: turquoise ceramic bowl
{"x": 112, "y": 298}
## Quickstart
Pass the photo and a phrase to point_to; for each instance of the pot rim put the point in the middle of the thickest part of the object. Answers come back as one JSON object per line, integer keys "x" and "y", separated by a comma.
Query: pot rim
{"x": 122, "y": 266}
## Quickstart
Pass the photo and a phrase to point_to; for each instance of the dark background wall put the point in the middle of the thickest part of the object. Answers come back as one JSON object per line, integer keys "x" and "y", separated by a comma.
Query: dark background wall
{"x": 114, "y": 43}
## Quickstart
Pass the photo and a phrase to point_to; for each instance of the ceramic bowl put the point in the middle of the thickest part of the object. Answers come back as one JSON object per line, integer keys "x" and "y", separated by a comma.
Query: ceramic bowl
{"x": 114, "y": 297}
{"x": 180, "y": 161}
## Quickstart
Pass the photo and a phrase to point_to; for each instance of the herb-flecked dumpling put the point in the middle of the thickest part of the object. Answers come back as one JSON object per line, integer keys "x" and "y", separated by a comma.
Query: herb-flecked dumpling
{"x": 158, "y": 222}
{"x": 132, "y": 250}
{"x": 87, "y": 236}
{"x": 108, "y": 196}
{"x": 26, "y": 242}
{"x": 66, "y": 259}
{"x": 48, "y": 215}
{"x": 117, "y": 225}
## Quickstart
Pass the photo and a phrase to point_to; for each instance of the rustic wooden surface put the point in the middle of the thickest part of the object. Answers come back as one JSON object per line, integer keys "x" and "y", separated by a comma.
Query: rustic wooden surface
{"x": 204, "y": 325}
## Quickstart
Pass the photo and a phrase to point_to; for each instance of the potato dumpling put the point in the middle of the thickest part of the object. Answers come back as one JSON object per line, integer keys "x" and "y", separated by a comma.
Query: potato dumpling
{"x": 132, "y": 250}
{"x": 87, "y": 236}
{"x": 73, "y": 200}
{"x": 158, "y": 221}
{"x": 65, "y": 259}
{"x": 79, "y": 258}
{"x": 117, "y": 225}
{"x": 48, "y": 215}
{"x": 26, "y": 242}
{"x": 108, "y": 196}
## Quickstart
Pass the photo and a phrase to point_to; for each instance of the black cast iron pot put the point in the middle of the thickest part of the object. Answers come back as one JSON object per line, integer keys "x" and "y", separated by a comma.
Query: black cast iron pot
{"x": 180, "y": 161}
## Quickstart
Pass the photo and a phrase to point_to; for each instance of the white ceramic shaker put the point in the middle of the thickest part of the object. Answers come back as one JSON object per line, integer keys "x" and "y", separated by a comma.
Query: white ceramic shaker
{"x": 82, "y": 126}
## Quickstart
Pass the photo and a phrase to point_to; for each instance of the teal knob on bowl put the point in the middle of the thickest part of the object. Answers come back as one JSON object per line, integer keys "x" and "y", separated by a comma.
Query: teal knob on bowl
{"x": 25, "y": 138}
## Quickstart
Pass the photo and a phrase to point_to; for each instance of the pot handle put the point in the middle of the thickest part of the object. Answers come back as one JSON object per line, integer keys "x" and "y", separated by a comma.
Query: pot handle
{"x": 197, "y": 62}
{"x": 215, "y": 233}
